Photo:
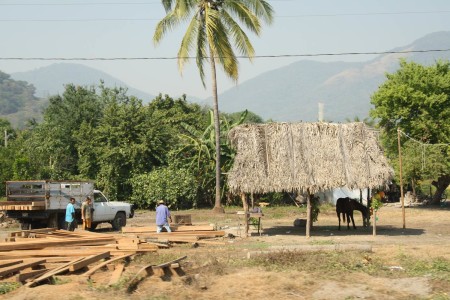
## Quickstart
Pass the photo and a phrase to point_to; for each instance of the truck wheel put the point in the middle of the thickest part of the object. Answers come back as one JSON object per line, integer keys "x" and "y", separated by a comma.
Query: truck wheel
{"x": 52, "y": 221}
{"x": 120, "y": 220}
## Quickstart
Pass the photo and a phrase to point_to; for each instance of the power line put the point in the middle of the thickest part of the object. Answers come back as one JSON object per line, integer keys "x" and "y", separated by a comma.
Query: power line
{"x": 238, "y": 56}
{"x": 98, "y": 3}
{"x": 281, "y": 16}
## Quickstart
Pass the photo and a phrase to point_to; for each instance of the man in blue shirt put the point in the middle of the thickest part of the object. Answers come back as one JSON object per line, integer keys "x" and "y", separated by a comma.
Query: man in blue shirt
{"x": 162, "y": 217}
{"x": 70, "y": 215}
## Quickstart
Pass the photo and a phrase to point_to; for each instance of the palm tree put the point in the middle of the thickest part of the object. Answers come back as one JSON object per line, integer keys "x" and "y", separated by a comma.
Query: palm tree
{"x": 213, "y": 26}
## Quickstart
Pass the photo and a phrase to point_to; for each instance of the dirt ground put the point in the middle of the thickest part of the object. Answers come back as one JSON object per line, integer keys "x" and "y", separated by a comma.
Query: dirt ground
{"x": 226, "y": 272}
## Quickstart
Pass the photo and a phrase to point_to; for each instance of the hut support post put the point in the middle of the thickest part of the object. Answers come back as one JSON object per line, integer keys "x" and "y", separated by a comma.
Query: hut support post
{"x": 374, "y": 222}
{"x": 401, "y": 177}
{"x": 246, "y": 214}
{"x": 308, "y": 215}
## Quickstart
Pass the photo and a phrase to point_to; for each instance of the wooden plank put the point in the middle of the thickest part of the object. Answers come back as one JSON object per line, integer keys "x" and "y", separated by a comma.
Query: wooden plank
{"x": 16, "y": 268}
{"x": 88, "y": 260}
{"x": 22, "y": 277}
{"x": 149, "y": 270}
{"x": 101, "y": 265}
{"x": 175, "y": 228}
{"x": 44, "y": 243}
{"x": 167, "y": 264}
{"x": 51, "y": 273}
{"x": 10, "y": 263}
{"x": 115, "y": 276}
{"x": 191, "y": 227}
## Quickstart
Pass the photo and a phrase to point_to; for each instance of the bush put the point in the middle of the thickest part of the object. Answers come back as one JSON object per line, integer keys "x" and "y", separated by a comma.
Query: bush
{"x": 177, "y": 187}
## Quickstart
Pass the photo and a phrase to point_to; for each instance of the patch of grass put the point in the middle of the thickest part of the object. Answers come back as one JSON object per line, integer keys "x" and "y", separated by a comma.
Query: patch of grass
{"x": 58, "y": 280}
{"x": 325, "y": 242}
{"x": 437, "y": 267}
{"x": 442, "y": 296}
{"x": 253, "y": 245}
{"x": 327, "y": 264}
{"x": 6, "y": 287}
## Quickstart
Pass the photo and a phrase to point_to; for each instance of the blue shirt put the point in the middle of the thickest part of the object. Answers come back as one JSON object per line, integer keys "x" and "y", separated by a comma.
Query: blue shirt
{"x": 162, "y": 214}
{"x": 70, "y": 210}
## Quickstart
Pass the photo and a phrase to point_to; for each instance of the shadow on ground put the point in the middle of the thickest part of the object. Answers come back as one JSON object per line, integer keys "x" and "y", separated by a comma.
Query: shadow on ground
{"x": 332, "y": 230}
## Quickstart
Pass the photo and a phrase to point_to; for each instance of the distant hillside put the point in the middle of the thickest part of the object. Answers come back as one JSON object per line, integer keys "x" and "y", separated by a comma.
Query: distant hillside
{"x": 50, "y": 80}
{"x": 292, "y": 93}
{"x": 289, "y": 93}
{"x": 17, "y": 100}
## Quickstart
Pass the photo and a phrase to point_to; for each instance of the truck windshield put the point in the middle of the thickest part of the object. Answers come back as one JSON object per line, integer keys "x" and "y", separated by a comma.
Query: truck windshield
{"x": 98, "y": 197}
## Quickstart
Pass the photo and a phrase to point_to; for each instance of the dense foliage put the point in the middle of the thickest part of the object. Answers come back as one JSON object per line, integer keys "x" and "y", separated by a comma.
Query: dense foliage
{"x": 134, "y": 152}
{"x": 14, "y": 95}
{"x": 416, "y": 100}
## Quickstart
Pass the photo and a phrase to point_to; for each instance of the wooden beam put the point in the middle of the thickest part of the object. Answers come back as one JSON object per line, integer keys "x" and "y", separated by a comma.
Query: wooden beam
{"x": 16, "y": 268}
{"x": 52, "y": 272}
{"x": 10, "y": 263}
{"x": 115, "y": 277}
{"x": 175, "y": 228}
{"x": 101, "y": 265}
{"x": 22, "y": 277}
{"x": 44, "y": 243}
{"x": 88, "y": 260}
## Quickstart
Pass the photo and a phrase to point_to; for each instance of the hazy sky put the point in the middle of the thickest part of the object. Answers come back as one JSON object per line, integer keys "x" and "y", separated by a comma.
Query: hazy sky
{"x": 124, "y": 29}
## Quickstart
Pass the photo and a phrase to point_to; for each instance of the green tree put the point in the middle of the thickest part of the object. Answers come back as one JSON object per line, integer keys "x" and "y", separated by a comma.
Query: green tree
{"x": 125, "y": 143}
{"x": 175, "y": 186}
{"x": 213, "y": 26}
{"x": 198, "y": 149}
{"x": 54, "y": 141}
{"x": 416, "y": 99}
{"x": 14, "y": 95}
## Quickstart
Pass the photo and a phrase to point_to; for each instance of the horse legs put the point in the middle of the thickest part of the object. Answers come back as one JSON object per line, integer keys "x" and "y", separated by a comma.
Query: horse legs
{"x": 339, "y": 218}
{"x": 348, "y": 220}
{"x": 353, "y": 220}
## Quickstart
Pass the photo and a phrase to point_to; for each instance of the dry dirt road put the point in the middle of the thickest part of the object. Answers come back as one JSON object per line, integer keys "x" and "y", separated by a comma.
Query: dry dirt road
{"x": 405, "y": 263}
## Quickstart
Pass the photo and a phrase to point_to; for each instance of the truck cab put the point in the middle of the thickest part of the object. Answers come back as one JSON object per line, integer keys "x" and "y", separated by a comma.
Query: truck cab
{"x": 105, "y": 211}
{"x": 42, "y": 203}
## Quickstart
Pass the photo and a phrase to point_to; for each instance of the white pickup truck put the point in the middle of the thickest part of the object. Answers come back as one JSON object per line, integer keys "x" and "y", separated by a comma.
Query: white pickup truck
{"x": 42, "y": 203}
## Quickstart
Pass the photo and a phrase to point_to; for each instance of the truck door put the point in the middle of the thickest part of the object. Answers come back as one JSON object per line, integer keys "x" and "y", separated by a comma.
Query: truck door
{"x": 103, "y": 211}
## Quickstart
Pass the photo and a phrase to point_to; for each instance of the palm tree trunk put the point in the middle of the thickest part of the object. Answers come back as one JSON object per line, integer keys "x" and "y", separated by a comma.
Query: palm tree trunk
{"x": 217, "y": 205}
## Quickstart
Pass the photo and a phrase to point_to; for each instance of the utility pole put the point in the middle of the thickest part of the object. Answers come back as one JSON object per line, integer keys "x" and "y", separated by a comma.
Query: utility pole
{"x": 401, "y": 178}
{"x": 320, "y": 116}
{"x": 6, "y": 138}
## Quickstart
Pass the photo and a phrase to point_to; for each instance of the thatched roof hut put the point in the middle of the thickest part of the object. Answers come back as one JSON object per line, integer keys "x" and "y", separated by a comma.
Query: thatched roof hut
{"x": 306, "y": 157}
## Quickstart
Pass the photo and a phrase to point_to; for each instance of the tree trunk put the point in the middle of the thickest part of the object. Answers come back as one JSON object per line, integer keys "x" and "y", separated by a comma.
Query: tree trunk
{"x": 217, "y": 205}
{"x": 374, "y": 222}
{"x": 308, "y": 215}
{"x": 441, "y": 185}
{"x": 246, "y": 214}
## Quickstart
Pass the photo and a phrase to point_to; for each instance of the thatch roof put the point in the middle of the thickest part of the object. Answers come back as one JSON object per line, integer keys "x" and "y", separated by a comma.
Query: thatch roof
{"x": 298, "y": 157}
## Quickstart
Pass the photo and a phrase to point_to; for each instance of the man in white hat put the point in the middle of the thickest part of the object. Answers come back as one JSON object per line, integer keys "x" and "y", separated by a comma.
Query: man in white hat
{"x": 162, "y": 217}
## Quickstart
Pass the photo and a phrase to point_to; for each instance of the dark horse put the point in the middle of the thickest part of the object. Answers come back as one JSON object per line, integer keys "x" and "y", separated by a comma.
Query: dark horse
{"x": 346, "y": 206}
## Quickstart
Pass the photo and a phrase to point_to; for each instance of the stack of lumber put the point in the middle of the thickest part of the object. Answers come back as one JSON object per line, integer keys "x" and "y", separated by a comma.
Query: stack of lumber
{"x": 200, "y": 234}
{"x": 37, "y": 255}
{"x": 22, "y": 205}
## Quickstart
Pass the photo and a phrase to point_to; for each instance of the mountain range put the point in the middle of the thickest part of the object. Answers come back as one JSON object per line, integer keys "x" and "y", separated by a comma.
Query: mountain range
{"x": 289, "y": 93}
{"x": 292, "y": 93}
{"x": 50, "y": 80}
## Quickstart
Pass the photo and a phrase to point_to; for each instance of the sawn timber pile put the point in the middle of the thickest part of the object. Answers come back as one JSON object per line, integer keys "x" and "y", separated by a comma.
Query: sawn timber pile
{"x": 33, "y": 256}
